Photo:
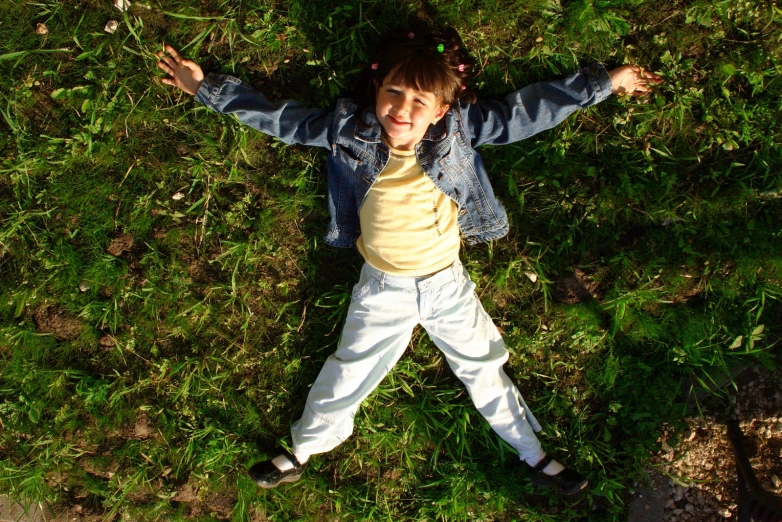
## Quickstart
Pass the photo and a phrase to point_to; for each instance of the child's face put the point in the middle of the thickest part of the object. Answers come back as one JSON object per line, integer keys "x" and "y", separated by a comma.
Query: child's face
{"x": 406, "y": 113}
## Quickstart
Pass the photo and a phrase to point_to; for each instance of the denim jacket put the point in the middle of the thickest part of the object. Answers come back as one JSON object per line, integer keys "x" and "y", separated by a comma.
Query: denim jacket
{"x": 357, "y": 155}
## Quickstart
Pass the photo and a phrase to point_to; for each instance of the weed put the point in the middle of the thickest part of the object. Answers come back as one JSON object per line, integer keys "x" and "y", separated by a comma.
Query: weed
{"x": 643, "y": 253}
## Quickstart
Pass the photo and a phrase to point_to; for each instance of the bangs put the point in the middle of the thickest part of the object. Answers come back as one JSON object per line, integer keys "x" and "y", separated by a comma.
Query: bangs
{"x": 420, "y": 73}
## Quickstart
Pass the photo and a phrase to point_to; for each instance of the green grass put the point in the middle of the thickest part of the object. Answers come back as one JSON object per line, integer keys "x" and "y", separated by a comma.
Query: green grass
{"x": 190, "y": 353}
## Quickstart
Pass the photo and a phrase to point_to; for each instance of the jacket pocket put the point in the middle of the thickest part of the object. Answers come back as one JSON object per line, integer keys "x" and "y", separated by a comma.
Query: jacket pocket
{"x": 347, "y": 156}
{"x": 454, "y": 162}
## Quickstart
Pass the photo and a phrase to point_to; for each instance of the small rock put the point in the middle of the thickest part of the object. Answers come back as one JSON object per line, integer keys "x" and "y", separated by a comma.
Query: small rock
{"x": 41, "y": 29}
{"x": 678, "y": 511}
{"x": 689, "y": 508}
{"x": 84, "y": 286}
{"x": 177, "y": 196}
{"x": 111, "y": 26}
{"x": 724, "y": 512}
{"x": 670, "y": 503}
{"x": 122, "y": 5}
{"x": 107, "y": 341}
{"x": 532, "y": 276}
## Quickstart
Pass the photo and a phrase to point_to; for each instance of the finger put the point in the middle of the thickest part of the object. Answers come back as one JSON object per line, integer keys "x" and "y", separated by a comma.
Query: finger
{"x": 169, "y": 61}
{"x": 190, "y": 64}
{"x": 166, "y": 68}
{"x": 168, "y": 81}
{"x": 173, "y": 53}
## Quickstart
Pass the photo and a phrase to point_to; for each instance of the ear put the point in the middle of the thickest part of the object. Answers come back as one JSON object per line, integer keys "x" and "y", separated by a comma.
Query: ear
{"x": 441, "y": 112}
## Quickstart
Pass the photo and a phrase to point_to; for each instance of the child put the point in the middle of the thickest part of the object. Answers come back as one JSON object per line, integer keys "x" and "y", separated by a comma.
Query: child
{"x": 405, "y": 185}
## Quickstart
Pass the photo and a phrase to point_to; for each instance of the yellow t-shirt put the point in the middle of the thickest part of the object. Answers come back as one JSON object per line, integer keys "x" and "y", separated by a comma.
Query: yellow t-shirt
{"x": 408, "y": 226}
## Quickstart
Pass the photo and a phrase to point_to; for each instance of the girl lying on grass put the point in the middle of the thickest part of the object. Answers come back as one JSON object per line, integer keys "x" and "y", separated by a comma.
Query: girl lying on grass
{"x": 405, "y": 186}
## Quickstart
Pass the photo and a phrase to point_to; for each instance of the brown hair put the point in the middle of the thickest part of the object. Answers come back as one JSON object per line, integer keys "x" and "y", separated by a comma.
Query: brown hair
{"x": 423, "y": 58}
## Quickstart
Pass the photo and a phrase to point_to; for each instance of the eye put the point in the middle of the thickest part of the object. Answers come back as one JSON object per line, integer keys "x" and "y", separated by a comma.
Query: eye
{"x": 420, "y": 102}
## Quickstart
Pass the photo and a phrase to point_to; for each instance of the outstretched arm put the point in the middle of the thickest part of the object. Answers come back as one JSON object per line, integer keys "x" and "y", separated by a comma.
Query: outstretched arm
{"x": 287, "y": 120}
{"x": 544, "y": 105}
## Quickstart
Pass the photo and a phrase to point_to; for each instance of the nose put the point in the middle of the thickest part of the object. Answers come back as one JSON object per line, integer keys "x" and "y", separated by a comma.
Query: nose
{"x": 402, "y": 106}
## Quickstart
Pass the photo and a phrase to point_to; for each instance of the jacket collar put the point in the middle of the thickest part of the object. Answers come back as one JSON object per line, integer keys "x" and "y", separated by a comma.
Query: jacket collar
{"x": 369, "y": 130}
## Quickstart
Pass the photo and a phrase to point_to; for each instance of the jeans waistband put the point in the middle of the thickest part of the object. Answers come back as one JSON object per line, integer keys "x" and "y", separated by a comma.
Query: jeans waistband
{"x": 422, "y": 283}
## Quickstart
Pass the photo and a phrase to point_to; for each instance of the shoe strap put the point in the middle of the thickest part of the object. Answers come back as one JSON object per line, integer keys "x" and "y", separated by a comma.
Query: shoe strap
{"x": 545, "y": 461}
{"x": 291, "y": 457}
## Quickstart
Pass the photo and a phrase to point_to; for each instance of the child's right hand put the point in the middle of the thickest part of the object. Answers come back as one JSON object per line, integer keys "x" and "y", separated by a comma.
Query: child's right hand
{"x": 185, "y": 74}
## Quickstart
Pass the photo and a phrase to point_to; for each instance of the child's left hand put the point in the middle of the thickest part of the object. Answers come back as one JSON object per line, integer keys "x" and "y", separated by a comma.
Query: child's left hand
{"x": 633, "y": 80}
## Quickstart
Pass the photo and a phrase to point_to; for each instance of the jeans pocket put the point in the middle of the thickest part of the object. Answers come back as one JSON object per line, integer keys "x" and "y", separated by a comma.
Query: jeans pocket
{"x": 361, "y": 288}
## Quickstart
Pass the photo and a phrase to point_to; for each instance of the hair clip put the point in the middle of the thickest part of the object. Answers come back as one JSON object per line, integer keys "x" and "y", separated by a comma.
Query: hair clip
{"x": 461, "y": 67}
{"x": 440, "y": 48}
{"x": 411, "y": 35}
{"x": 374, "y": 66}
{"x": 463, "y": 87}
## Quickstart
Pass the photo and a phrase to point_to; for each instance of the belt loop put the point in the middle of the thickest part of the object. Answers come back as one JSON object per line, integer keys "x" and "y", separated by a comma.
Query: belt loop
{"x": 382, "y": 279}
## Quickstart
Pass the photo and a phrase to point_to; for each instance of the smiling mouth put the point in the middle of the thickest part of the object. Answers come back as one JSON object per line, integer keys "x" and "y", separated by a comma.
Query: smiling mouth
{"x": 397, "y": 122}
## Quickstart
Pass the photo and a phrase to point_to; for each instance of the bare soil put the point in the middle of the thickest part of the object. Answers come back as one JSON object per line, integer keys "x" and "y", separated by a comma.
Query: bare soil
{"x": 702, "y": 484}
{"x": 120, "y": 244}
{"x": 50, "y": 320}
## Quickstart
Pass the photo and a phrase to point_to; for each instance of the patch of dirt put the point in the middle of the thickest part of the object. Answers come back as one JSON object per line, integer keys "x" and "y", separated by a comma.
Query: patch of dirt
{"x": 142, "y": 429}
{"x": 107, "y": 341}
{"x": 706, "y": 487}
{"x": 77, "y": 513}
{"x": 577, "y": 288}
{"x": 120, "y": 244}
{"x": 203, "y": 272}
{"x": 219, "y": 504}
{"x": 99, "y": 468}
{"x": 49, "y": 320}
{"x": 187, "y": 493}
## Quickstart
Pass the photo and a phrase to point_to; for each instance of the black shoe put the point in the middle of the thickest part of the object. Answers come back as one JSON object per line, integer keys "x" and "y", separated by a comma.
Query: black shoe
{"x": 266, "y": 474}
{"x": 567, "y": 482}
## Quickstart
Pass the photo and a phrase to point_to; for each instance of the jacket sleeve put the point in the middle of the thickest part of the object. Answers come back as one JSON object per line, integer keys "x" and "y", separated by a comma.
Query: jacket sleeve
{"x": 535, "y": 108}
{"x": 287, "y": 120}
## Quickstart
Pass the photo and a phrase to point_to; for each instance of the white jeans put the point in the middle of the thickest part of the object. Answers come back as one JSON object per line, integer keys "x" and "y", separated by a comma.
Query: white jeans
{"x": 383, "y": 312}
